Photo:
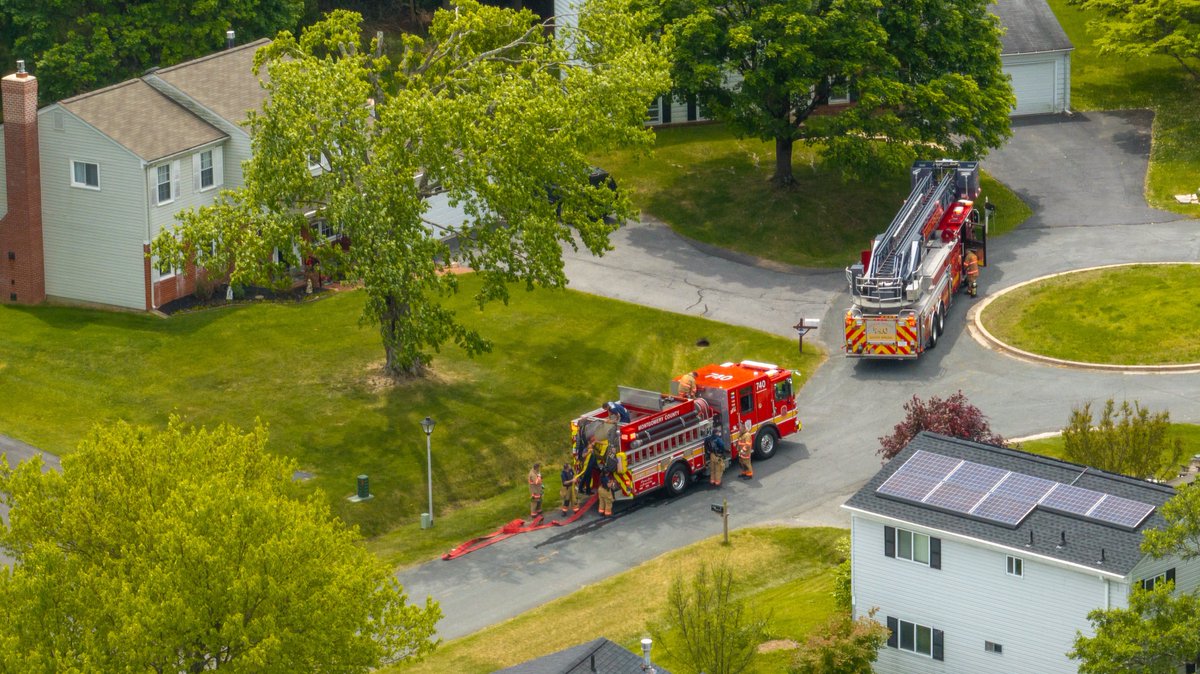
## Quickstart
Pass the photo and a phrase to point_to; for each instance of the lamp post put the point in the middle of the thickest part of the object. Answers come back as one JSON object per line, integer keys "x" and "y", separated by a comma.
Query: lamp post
{"x": 427, "y": 425}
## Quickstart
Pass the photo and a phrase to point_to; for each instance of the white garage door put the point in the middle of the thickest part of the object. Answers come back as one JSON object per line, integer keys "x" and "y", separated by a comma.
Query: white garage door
{"x": 1033, "y": 83}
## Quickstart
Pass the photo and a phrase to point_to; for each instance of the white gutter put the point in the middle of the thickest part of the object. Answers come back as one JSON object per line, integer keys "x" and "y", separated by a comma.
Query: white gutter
{"x": 1035, "y": 53}
{"x": 1023, "y": 552}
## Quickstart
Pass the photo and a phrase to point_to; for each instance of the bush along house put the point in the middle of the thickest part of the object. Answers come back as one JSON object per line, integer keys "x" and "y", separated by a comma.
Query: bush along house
{"x": 984, "y": 559}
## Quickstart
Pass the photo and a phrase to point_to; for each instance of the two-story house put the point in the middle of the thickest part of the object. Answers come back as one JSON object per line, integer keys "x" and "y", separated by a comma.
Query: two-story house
{"x": 89, "y": 181}
{"x": 984, "y": 559}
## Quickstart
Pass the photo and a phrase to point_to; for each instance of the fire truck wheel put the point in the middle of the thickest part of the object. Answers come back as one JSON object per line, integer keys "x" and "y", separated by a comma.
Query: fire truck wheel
{"x": 933, "y": 333}
{"x": 766, "y": 442}
{"x": 941, "y": 319}
{"x": 677, "y": 479}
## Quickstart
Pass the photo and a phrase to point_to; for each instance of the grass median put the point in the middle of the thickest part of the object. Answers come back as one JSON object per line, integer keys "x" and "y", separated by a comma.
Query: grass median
{"x": 712, "y": 187}
{"x": 1131, "y": 315}
{"x": 311, "y": 372}
{"x": 786, "y": 572}
{"x": 1117, "y": 82}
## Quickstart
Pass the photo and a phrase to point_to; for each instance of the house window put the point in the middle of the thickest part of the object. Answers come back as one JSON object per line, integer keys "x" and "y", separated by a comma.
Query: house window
{"x": 912, "y": 546}
{"x": 993, "y": 647}
{"x": 1015, "y": 566}
{"x": 323, "y": 229}
{"x": 163, "y": 184}
{"x": 839, "y": 91}
{"x": 208, "y": 176}
{"x": 165, "y": 270}
{"x": 654, "y": 113}
{"x": 1150, "y": 583}
{"x": 85, "y": 174}
{"x": 915, "y": 638}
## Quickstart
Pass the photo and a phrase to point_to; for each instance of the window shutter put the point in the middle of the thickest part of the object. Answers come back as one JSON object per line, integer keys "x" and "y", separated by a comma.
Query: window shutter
{"x": 175, "y": 178}
{"x": 889, "y": 541}
{"x": 1171, "y": 574}
{"x": 196, "y": 172}
{"x": 937, "y": 645}
{"x": 935, "y": 553}
{"x": 691, "y": 108}
{"x": 218, "y": 167}
{"x": 893, "y": 629}
{"x": 1146, "y": 584}
{"x": 666, "y": 108}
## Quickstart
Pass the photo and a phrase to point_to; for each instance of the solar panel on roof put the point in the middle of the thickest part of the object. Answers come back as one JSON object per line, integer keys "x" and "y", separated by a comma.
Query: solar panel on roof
{"x": 1121, "y": 511}
{"x": 911, "y": 485}
{"x": 1073, "y": 500}
{"x": 930, "y": 464}
{"x": 1003, "y": 509}
{"x": 964, "y": 487}
{"x": 1022, "y": 487}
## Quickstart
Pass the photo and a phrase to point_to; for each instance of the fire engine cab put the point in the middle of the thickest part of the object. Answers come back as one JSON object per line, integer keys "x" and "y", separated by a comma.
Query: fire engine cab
{"x": 662, "y": 444}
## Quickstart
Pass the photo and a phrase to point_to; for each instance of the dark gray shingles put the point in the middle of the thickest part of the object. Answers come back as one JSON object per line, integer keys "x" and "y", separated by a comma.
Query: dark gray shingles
{"x": 1030, "y": 27}
{"x": 1084, "y": 538}
{"x": 608, "y": 657}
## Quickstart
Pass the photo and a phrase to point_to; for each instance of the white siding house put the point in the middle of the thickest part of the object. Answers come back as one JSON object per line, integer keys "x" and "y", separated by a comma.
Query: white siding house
{"x": 962, "y": 591}
{"x": 116, "y": 167}
{"x": 1036, "y": 55}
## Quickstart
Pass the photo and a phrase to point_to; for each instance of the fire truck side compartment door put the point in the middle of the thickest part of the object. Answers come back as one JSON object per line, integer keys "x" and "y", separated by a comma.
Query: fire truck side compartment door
{"x": 763, "y": 399}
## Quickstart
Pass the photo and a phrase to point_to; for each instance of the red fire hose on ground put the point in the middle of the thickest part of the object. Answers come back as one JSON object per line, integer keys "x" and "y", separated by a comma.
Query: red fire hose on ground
{"x": 517, "y": 527}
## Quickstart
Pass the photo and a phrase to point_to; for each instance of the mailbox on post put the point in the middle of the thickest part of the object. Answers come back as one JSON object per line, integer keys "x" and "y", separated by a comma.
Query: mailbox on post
{"x": 803, "y": 327}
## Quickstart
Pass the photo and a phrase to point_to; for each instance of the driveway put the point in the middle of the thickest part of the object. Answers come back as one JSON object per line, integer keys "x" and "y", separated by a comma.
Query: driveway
{"x": 1084, "y": 170}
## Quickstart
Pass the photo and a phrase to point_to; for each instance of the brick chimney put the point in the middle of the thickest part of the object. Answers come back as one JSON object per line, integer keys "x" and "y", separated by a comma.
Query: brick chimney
{"x": 22, "y": 270}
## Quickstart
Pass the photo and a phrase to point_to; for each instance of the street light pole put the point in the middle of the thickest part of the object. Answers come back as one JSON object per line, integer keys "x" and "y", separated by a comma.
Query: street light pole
{"x": 427, "y": 424}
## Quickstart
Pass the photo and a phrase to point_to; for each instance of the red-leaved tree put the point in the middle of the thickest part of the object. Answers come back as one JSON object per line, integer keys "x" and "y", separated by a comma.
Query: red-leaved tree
{"x": 955, "y": 416}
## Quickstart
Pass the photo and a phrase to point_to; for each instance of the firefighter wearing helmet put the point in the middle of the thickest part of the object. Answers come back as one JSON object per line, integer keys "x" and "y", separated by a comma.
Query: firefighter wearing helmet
{"x": 745, "y": 447}
{"x": 971, "y": 265}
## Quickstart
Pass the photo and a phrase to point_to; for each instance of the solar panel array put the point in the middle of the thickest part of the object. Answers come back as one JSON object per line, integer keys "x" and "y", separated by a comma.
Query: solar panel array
{"x": 1001, "y": 495}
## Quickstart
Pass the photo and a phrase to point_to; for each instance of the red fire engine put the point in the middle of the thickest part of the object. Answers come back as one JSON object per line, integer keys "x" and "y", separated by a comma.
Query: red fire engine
{"x": 902, "y": 287}
{"x": 662, "y": 444}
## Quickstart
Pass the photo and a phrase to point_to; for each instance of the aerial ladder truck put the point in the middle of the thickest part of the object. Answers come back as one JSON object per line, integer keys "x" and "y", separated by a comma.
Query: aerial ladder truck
{"x": 902, "y": 287}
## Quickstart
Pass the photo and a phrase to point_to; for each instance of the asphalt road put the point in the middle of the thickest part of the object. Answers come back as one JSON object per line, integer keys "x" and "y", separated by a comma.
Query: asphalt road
{"x": 1083, "y": 175}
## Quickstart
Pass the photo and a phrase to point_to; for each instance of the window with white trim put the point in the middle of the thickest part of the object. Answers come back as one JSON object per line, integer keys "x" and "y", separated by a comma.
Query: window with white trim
{"x": 85, "y": 174}
{"x": 323, "y": 229}
{"x": 993, "y": 647}
{"x": 654, "y": 112}
{"x": 208, "y": 174}
{"x": 166, "y": 183}
{"x": 912, "y": 546}
{"x": 164, "y": 269}
{"x": 1150, "y": 583}
{"x": 1015, "y": 566}
{"x": 915, "y": 638}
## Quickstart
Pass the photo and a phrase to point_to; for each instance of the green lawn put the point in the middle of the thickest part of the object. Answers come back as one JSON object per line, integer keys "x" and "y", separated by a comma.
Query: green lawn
{"x": 1188, "y": 434}
{"x": 1110, "y": 82}
{"x": 787, "y": 574}
{"x": 712, "y": 187}
{"x": 1103, "y": 316}
{"x": 310, "y": 371}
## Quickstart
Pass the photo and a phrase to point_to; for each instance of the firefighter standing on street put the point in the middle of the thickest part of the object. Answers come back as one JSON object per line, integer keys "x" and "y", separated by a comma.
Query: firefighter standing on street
{"x": 714, "y": 448}
{"x": 570, "y": 497}
{"x": 687, "y": 385}
{"x": 745, "y": 446}
{"x": 535, "y": 491}
{"x": 607, "y": 485}
{"x": 971, "y": 264}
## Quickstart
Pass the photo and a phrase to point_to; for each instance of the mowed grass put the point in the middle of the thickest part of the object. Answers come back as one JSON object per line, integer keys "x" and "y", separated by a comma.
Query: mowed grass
{"x": 784, "y": 572}
{"x": 311, "y": 372}
{"x": 1188, "y": 435}
{"x": 1135, "y": 315}
{"x": 713, "y": 187}
{"x": 1115, "y": 82}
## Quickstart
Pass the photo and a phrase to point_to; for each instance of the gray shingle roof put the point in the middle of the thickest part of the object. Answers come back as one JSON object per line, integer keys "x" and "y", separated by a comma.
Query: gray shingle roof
{"x": 608, "y": 657}
{"x": 1030, "y": 27}
{"x": 1085, "y": 538}
{"x": 143, "y": 120}
{"x": 223, "y": 82}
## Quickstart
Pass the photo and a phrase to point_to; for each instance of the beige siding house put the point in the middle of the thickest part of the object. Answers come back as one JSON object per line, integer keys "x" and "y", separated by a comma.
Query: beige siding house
{"x": 115, "y": 166}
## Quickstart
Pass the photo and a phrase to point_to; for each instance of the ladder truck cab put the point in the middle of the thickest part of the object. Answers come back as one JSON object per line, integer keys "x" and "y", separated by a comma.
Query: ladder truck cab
{"x": 662, "y": 444}
{"x": 902, "y": 287}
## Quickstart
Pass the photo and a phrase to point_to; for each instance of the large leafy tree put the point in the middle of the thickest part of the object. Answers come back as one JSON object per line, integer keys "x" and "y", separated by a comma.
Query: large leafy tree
{"x": 75, "y": 47}
{"x": 490, "y": 107}
{"x": 1139, "y": 28}
{"x": 926, "y": 75}
{"x": 1160, "y": 631}
{"x": 1127, "y": 440}
{"x": 183, "y": 550}
{"x": 954, "y": 416}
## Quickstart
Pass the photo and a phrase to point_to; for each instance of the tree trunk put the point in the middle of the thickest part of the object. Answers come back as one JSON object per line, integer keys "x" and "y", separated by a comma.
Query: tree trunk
{"x": 399, "y": 362}
{"x": 783, "y": 162}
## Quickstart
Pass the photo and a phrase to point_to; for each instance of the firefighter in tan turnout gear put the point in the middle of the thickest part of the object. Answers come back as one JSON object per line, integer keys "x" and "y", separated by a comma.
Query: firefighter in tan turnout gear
{"x": 745, "y": 445}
